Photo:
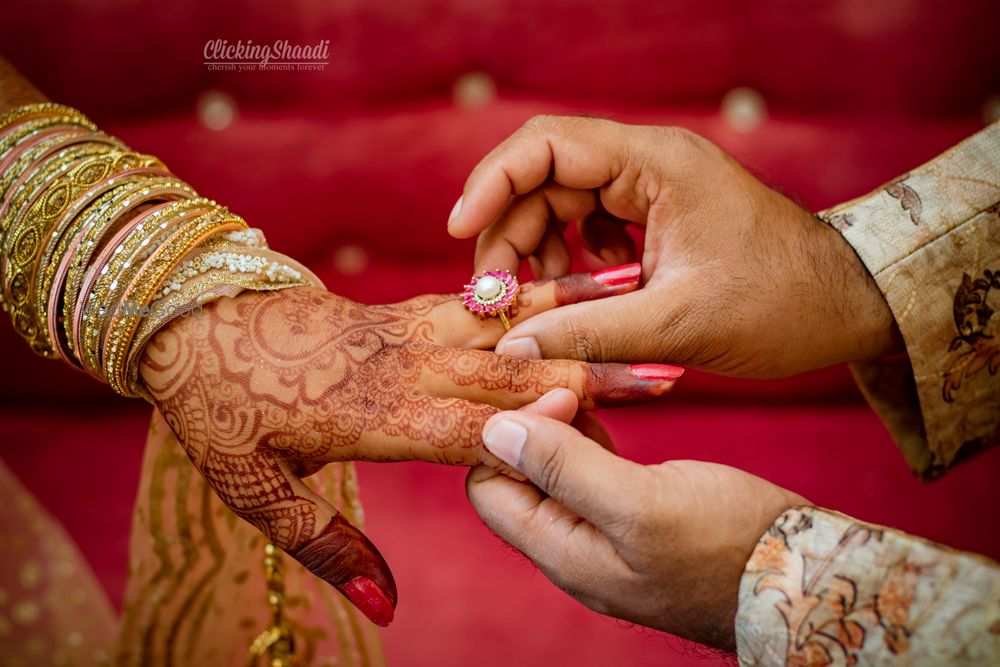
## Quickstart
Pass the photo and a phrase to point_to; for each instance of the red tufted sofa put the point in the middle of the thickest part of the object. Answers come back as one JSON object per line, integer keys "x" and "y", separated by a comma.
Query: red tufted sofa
{"x": 354, "y": 169}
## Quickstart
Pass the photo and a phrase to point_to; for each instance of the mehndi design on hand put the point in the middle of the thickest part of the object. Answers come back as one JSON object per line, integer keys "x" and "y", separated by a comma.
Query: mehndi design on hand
{"x": 266, "y": 388}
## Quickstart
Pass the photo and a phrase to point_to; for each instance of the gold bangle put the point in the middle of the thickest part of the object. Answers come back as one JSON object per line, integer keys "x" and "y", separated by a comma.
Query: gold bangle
{"x": 19, "y": 244}
{"x": 15, "y": 180}
{"x": 98, "y": 222}
{"x": 134, "y": 188}
{"x": 32, "y": 130}
{"x": 120, "y": 255}
{"x": 121, "y": 273}
{"x": 27, "y": 239}
{"x": 48, "y": 164}
{"x": 22, "y": 113}
{"x": 160, "y": 264}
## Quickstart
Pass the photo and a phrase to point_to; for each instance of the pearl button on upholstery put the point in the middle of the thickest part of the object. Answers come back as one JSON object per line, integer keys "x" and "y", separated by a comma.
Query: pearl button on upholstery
{"x": 216, "y": 110}
{"x": 744, "y": 109}
{"x": 475, "y": 89}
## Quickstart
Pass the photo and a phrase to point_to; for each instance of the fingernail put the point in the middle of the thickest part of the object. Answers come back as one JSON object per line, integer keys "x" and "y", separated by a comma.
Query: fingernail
{"x": 617, "y": 276}
{"x": 525, "y": 348}
{"x": 455, "y": 210}
{"x": 664, "y": 372}
{"x": 370, "y": 599}
{"x": 505, "y": 438}
{"x": 547, "y": 396}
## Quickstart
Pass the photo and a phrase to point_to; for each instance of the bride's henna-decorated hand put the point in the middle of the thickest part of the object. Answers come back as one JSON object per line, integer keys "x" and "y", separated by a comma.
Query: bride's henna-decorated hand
{"x": 265, "y": 388}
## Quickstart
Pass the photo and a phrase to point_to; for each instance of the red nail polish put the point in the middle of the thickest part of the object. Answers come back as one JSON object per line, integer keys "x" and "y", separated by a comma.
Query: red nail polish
{"x": 370, "y": 599}
{"x": 626, "y": 274}
{"x": 663, "y": 372}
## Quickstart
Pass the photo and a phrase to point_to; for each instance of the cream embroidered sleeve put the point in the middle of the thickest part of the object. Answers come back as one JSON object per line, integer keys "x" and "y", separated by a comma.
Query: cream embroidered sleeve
{"x": 823, "y": 589}
{"x": 931, "y": 239}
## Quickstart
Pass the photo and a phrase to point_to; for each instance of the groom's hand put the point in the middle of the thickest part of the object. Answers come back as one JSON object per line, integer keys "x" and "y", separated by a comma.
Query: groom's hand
{"x": 739, "y": 280}
{"x": 662, "y": 545}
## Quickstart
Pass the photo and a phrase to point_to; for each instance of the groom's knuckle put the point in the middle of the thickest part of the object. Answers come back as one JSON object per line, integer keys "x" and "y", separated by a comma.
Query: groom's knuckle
{"x": 550, "y": 470}
{"x": 582, "y": 342}
{"x": 541, "y": 123}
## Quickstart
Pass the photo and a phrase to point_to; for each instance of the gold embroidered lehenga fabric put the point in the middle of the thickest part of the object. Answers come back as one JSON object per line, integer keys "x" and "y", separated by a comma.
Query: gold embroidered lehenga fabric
{"x": 196, "y": 593}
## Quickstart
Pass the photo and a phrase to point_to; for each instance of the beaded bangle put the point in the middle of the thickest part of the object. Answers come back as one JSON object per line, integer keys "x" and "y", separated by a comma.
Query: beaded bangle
{"x": 145, "y": 284}
{"x": 135, "y": 187}
{"x": 232, "y": 260}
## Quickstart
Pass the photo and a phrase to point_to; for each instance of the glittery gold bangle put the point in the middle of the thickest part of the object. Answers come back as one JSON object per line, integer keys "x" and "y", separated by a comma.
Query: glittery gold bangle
{"x": 28, "y": 111}
{"x": 79, "y": 279}
{"x": 18, "y": 245}
{"x": 146, "y": 284}
{"x": 122, "y": 253}
{"x": 15, "y": 182}
{"x": 135, "y": 187}
{"x": 49, "y": 163}
{"x": 31, "y": 229}
{"x": 203, "y": 289}
{"x": 16, "y": 143}
{"x": 121, "y": 274}
{"x": 18, "y": 174}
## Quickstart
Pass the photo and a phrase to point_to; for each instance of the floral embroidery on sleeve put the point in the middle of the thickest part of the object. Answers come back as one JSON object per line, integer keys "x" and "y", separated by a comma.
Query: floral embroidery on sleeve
{"x": 916, "y": 235}
{"x": 980, "y": 348}
{"x": 823, "y": 589}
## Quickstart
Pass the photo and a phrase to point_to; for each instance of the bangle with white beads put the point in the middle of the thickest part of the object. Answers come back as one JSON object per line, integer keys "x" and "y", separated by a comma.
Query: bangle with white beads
{"x": 232, "y": 261}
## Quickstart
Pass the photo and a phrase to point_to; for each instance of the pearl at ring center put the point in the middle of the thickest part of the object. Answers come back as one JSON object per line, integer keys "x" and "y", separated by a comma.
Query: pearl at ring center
{"x": 488, "y": 287}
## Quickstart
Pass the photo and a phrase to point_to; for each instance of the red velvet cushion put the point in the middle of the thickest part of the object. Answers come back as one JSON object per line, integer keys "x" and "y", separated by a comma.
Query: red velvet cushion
{"x": 914, "y": 57}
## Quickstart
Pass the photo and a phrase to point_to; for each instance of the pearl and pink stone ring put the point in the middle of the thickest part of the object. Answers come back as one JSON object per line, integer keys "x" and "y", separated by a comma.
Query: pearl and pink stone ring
{"x": 491, "y": 294}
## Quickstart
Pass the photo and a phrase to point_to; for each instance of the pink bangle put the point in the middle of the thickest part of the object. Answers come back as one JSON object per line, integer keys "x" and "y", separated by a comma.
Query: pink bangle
{"x": 56, "y": 288}
{"x": 94, "y": 270}
{"x": 19, "y": 215}
{"x": 20, "y": 149}
{"x": 70, "y": 139}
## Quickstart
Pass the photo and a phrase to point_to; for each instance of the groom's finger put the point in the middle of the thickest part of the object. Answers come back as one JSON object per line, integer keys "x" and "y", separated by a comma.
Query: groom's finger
{"x": 576, "y": 153}
{"x": 520, "y": 230}
{"x": 454, "y": 326}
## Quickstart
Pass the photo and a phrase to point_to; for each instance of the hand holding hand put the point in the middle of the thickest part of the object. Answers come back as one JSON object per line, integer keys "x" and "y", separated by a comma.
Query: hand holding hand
{"x": 739, "y": 280}
{"x": 265, "y": 388}
{"x": 662, "y": 545}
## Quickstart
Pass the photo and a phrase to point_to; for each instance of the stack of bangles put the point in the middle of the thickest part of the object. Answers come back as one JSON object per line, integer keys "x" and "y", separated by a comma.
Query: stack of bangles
{"x": 100, "y": 247}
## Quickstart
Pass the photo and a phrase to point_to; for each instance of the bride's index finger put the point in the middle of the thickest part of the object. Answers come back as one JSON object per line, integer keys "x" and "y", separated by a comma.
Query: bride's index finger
{"x": 576, "y": 152}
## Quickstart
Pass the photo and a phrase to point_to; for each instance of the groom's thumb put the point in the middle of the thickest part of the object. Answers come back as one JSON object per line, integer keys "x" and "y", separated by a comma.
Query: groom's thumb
{"x": 617, "y": 328}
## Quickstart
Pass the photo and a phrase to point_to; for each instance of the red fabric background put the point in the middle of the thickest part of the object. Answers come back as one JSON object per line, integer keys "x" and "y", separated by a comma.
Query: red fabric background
{"x": 373, "y": 152}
